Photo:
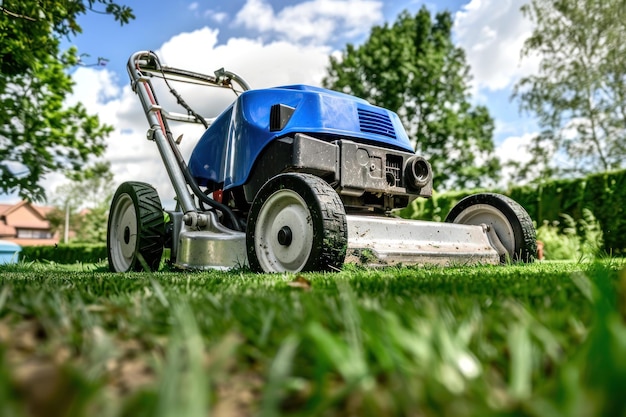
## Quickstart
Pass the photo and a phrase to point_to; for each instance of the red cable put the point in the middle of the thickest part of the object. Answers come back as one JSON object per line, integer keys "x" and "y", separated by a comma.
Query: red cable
{"x": 153, "y": 102}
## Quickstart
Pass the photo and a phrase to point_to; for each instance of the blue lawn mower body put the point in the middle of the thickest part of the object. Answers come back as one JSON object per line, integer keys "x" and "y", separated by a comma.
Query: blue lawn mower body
{"x": 295, "y": 178}
{"x": 250, "y": 125}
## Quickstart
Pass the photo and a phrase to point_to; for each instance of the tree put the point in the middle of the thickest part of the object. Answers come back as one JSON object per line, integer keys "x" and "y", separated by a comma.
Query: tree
{"x": 579, "y": 93}
{"x": 413, "y": 68}
{"x": 85, "y": 200}
{"x": 36, "y": 129}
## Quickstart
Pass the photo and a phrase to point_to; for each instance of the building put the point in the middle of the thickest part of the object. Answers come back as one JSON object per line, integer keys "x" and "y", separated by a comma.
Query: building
{"x": 25, "y": 224}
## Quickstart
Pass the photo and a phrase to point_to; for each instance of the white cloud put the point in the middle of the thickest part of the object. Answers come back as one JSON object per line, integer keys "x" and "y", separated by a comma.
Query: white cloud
{"x": 315, "y": 20}
{"x": 218, "y": 17}
{"x": 135, "y": 158}
{"x": 93, "y": 87}
{"x": 514, "y": 149}
{"x": 213, "y": 15}
{"x": 492, "y": 33}
{"x": 261, "y": 64}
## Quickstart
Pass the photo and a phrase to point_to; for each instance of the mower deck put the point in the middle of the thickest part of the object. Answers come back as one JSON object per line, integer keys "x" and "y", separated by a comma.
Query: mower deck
{"x": 372, "y": 241}
{"x": 390, "y": 241}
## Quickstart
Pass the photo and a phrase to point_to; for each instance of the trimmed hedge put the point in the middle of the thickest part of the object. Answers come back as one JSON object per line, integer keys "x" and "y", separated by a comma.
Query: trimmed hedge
{"x": 603, "y": 194}
{"x": 438, "y": 206}
{"x": 65, "y": 254}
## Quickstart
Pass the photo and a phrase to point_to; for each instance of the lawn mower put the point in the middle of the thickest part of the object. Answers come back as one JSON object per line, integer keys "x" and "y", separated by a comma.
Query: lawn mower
{"x": 295, "y": 178}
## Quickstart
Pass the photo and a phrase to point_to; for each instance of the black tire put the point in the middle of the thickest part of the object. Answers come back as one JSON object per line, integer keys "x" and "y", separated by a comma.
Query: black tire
{"x": 510, "y": 221}
{"x": 136, "y": 228}
{"x": 297, "y": 222}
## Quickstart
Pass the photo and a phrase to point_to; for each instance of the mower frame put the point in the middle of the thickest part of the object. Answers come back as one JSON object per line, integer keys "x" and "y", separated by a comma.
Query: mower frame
{"x": 335, "y": 174}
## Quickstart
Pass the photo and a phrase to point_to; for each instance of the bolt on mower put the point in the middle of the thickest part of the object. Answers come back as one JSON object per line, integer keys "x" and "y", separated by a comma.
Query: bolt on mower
{"x": 295, "y": 178}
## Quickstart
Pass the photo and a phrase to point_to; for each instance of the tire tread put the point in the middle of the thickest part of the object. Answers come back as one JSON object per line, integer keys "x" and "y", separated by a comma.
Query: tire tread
{"x": 151, "y": 225}
{"x": 331, "y": 251}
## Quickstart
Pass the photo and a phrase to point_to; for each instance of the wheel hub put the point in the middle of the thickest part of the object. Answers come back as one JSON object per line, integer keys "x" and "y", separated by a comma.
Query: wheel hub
{"x": 285, "y": 236}
{"x": 284, "y": 232}
{"x": 126, "y": 235}
{"x": 123, "y": 233}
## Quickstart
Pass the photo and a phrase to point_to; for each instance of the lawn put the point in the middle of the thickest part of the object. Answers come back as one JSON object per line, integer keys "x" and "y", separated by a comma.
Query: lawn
{"x": 545, "y": 339}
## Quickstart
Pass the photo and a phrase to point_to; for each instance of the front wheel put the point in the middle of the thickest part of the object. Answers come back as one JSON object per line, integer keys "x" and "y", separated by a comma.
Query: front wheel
{"x": 136, "y": 228}
{"x": 511, "y": 223}
{"x": 297, "y": 222}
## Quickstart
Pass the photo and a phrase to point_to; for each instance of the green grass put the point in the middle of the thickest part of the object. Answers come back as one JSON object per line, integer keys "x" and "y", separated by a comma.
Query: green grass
{"x": 546, "y": 339}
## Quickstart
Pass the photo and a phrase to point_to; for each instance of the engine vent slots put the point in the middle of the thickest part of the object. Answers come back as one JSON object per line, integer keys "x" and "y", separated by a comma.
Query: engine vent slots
{"x": 377, "y": 123}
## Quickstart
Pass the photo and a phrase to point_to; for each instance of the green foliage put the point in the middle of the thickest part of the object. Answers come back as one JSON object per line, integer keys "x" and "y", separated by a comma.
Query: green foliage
{"x": 558, "y": 244}
{"x": 87, "y": 196}
{"x": 605, "y": 195}
{"x": 587, "y": 383}
{"x": 579, "y": 93}
{"x": 93, "y": 225}
{"x": 360, "y": 342}
{"x": 43, "y": 134}
{"x": 573, "y": 240}
{"x": 413, "y": 68}
{"x": 561, "y": 196}
{"x": 29, "y": 30}
{"x": 437, "y": 207}
{"x": 65, "y": 254}
{"x": 37, "y": 130}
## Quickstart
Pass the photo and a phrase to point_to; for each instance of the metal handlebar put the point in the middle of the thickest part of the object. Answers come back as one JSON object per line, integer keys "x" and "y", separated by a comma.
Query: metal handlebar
{"x": 151, "y": 64}
{"x": 143, "y": 62}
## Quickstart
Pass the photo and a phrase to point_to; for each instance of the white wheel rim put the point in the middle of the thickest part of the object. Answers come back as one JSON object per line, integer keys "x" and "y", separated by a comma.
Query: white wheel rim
{"x": 485, "y": 214}
{"x": 284, "y": 208}
{"x": 123, "y": 233}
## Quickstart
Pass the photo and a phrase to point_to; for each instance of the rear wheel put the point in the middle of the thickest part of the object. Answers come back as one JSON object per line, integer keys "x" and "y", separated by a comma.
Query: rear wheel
{"x": 511, "y": 223}
{"x": 297, "y": 222}
{"x": 136, "y": 228}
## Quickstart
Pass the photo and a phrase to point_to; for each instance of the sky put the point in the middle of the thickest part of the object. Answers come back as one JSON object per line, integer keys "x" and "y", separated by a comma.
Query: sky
{"x": 277, "y": 42}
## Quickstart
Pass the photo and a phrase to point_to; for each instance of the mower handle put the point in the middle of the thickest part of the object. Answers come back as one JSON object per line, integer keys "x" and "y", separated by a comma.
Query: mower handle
{"x": 148, "y": 62}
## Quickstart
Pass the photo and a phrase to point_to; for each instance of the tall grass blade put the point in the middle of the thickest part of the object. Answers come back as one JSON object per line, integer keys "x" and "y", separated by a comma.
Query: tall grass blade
{"x": 184, "y": 389}
{"x": 279, "y": 374}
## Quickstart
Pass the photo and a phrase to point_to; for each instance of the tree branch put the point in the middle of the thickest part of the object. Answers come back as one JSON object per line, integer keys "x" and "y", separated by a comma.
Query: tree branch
{"x": 16, "y": 15}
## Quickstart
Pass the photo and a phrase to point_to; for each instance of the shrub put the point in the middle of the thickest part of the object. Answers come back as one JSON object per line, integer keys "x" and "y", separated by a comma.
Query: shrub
{"x": 572, "y": 240}
{"x": 65, "y": 254}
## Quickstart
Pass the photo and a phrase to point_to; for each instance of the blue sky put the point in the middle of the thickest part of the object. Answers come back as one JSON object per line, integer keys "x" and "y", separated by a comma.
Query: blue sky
{"x": 273, "y": 42}
{"x": 158, "y": 20}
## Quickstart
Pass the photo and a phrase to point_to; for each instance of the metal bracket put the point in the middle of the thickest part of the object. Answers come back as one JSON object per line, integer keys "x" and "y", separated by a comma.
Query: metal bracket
{"x": 194, "y": 220}
{"x": 150, "y": 133}
{"x": 494, "y": 240}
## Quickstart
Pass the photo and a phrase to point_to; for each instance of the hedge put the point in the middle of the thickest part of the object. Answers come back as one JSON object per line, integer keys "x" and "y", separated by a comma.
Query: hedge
{"x": 65, "y": 254}
{"x": 603, "y": 194}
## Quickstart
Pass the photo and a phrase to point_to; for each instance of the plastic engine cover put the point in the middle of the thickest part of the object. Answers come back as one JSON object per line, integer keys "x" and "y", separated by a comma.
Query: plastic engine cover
{"x": 227, "y": 151}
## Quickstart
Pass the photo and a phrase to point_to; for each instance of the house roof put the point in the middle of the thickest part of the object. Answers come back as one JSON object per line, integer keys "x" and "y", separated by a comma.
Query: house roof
{"x": 6, "y": 209}
{"x": 24, "y": 215}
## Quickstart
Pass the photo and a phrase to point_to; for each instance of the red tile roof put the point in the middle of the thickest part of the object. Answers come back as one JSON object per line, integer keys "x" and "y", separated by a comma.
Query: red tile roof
{"x": 24, "y": 215}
